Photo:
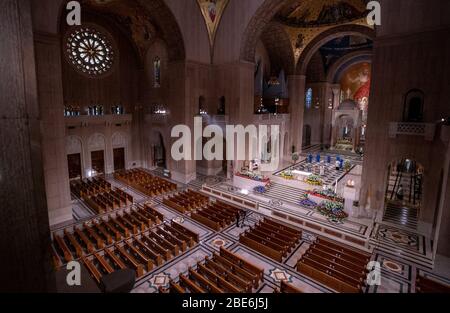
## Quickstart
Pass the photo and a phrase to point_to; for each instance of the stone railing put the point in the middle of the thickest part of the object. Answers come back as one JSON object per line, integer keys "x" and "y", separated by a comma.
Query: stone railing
{"x": 426, "y": 130}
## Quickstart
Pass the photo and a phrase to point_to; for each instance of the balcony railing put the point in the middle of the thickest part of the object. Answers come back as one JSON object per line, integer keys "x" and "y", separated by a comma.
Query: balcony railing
{"x": 426, "y": 130}
{"x": 86, "y": 120}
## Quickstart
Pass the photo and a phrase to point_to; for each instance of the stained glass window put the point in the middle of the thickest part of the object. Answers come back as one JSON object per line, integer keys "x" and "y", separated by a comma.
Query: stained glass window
{"x": 157, "y": 72}
{"x": 309, "y": 97}
{"x": 89, "y": 51}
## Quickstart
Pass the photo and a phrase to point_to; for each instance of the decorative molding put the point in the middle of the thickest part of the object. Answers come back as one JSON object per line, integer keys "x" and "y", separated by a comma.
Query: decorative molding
{"x": 426, "y": 130}
{"x": 119, "y": 140}
{"x": 96, "y": 142}
{"x": 73, "y": 145}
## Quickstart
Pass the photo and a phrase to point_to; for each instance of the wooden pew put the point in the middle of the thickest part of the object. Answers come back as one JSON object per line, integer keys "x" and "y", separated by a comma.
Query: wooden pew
{"x": 103, "y": 263}
{"x": 205, "y": 283}
{"x": 153, "y": 255}
{"x": 154, "y": 247}
{"x": 130, "y": 260}
{"x": 288, "y": 288}
{"x": 139, "y": 255}
{"x": 193, "y": 287}
{"x": 74, "y": 243}
{"x": 103, "y": 232}
{"x": 260, "y": 247}
{"x": 245, "y": 285}
{"x": 324, "y": 278}
{"x": 88, "y": 244}
{"x": 95, "y": 273}
{"x": 242, "y": 263}
{"x": 174, "y": 249}
{"x": 186, "y": 231}
{"x": 172, "y": 239}
{"x": 427, "y": 285}
{"x": 205, "y": 221}
{"x": 61, "y": 245}
{"x": 218, "y": 280}
{"x": 189, "y": 241}
{"x": 94, "y": 236}
{"x": 118, "y": 263}
{"x": 237, "y": 270}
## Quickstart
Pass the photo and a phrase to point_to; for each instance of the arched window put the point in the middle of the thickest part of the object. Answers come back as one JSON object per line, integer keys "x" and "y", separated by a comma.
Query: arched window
{"x": 414, "y": 102}
{"x": 201, "y": 106}
{"x": 309, "y": 97}
{"x": 221, "y": 108}
{"x": 157, "y": 72}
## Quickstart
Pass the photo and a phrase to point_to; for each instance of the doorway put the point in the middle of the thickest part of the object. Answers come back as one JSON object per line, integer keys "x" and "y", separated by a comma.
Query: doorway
{"x": 74, "y": 166}
{"x": 404, "y": 193}
{"x": 98, "y": 162}
{"x": 119, "y": 159}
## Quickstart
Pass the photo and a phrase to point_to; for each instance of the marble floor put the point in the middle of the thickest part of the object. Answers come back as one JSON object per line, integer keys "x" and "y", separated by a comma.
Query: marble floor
{"x": 398, "y": 271}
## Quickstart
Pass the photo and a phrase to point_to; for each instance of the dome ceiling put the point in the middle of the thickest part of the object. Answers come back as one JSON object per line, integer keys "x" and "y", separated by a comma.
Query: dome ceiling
{"x": 316, "y": 13}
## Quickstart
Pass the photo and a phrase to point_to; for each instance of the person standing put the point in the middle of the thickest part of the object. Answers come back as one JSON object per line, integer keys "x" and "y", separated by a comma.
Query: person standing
{"x": 237, "y": 219}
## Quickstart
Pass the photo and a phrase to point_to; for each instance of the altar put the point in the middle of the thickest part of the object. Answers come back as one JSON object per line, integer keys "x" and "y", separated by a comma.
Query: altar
{"x": 248, "y": 180}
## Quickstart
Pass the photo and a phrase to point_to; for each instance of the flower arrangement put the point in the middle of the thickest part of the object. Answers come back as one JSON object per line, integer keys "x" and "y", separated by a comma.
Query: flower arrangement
{"x": 326, "y": 194}
{"x": 253, "y": 176}
{"x": 314, "y": 180}
{"x": 308, "y": 203}
{"x": 260, "y": 189}
{"x": 331, "y": 209}
{"x": 347, "y": 165}
{"x": 287, "y": 175}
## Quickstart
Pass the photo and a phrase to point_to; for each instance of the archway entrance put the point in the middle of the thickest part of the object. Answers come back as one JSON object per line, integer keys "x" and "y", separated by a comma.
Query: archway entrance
{"x": 306, "y": 136}
{"x": 404, "y": 193}
{"x": 158, "y": 151}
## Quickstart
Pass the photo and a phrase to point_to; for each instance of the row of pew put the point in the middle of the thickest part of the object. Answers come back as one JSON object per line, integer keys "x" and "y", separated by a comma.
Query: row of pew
{"x": 109, "y": 200}
{"x": 217, "y": 215}
{"x": 428, "y": 285}
{"x": 335, "y": 265}
{"x": 89, "y": 187}
{"x": 287, "y": 288}
{"x": 272, "y": 239}
{"x": 224, "y": 272}
{"x": 144, "y": 182}
{"x": 95, "y": 235}
{"x": 143, "y": 252}
{"x": 186, "y": 201}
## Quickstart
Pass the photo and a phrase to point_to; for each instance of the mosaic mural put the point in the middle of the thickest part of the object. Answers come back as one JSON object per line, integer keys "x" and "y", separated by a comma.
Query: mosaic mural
{"x": 212, "y": 11}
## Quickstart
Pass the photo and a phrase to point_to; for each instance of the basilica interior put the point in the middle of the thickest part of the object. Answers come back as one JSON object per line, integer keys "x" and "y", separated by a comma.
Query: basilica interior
{"x": 358, "y": 201}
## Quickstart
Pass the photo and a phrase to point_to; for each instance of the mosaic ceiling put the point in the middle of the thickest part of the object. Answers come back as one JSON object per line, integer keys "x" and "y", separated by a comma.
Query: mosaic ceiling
{"x": 131, "y": 16}
{"x": 316, "y": 13}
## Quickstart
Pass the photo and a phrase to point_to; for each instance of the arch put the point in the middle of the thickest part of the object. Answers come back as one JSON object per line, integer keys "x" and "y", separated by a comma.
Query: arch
{"x": 346, "y": 61}
{"x": 278, "y": 45}
{"x": 414, "y": 106}
{"x": 168, "y": 26}
{"x": 74, "y": 145}
{"x": 119, "y": 140}
{"x": 328, "y": 35}
{"x": 255, "y": 27}
{"x": 96, "y": 142}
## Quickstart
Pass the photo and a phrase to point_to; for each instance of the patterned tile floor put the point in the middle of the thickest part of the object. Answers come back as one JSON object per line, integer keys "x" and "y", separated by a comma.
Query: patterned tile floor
{"x": 397, "y": 274}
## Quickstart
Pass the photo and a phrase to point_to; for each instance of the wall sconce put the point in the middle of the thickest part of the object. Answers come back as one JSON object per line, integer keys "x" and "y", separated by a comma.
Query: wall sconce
{"x": 330, "y": 104}
{"x": 159, "y": 109}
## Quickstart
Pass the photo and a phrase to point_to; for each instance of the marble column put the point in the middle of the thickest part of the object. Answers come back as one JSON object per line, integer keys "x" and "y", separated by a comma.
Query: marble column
{"x": 24, "y": 228}
{"x": 297, "y": 85}
{"x": 51, "y": 104}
